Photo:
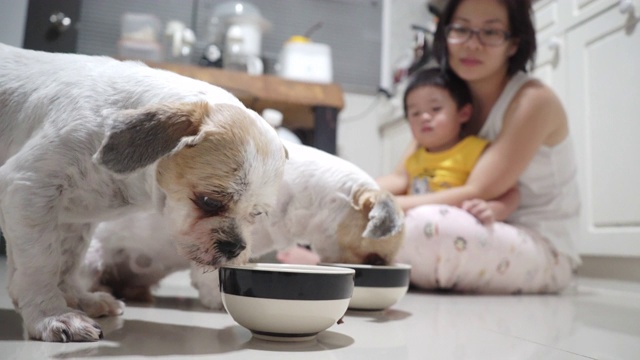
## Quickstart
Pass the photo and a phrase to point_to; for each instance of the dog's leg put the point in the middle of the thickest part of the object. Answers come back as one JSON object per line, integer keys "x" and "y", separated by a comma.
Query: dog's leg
{"x": 10, "y": 270}
{"x": 35, "y": 293}
{"x": 94, "y": 304}
{"x": 207, "y": 283}
{"x": 40, "y": 254}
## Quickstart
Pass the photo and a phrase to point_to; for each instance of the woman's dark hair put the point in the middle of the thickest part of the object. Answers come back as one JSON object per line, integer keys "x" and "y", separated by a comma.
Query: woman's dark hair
{"x": 446, "y": 80}
{"x": 521, "y": 29}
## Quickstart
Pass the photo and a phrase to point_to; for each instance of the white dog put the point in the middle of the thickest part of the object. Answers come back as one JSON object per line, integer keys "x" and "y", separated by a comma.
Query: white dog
{"x": 86, "y": 139}
{"x": 324, "y": 202}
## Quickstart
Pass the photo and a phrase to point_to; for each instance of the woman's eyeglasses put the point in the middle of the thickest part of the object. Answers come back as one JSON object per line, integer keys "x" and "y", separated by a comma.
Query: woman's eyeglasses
{"x": 458, "y": 34}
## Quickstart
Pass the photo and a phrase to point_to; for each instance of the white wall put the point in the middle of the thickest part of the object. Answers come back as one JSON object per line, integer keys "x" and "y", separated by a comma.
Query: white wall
{"x": 359, "y": 138}
{"x": 13, "y": 18}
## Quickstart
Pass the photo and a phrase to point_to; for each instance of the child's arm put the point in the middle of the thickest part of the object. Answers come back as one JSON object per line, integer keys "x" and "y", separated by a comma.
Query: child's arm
{"x": 497, "y": 209}
{"x": 397, "y": 182}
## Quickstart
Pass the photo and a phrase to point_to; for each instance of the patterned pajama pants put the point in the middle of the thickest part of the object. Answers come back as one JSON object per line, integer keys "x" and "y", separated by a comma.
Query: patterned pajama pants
{"x": 448, "y": 248}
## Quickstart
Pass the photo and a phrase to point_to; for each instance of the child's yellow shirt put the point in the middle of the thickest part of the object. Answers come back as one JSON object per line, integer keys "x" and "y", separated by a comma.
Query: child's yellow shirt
{"x": 429, "y": 172}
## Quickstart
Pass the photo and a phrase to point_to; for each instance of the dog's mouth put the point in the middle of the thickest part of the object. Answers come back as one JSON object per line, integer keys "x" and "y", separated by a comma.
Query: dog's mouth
{"x": 374, "y": 259}
{"x": 229, "y": 250}
{"x": 222, "y": 252}
{"x": 223, "y": 245}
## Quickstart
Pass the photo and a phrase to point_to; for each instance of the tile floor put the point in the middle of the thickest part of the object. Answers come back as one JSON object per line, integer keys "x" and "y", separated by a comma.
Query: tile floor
{"x": 592, "y": 320}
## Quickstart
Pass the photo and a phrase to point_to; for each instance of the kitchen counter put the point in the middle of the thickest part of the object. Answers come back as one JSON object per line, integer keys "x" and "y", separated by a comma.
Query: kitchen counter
{"x": 307, "y": 106}
{"x": 590, "y": 321}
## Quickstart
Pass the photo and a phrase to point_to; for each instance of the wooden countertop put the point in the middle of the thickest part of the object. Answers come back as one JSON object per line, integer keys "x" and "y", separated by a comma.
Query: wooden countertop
{"x": 296, "y": 100}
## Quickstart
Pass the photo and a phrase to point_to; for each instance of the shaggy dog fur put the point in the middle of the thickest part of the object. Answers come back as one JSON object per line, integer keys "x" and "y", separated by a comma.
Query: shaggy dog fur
{"x": 324, "y": 202}
{"x": 87, "y": 139}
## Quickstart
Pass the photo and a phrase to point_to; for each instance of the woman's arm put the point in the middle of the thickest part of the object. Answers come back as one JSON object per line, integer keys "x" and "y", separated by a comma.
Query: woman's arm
{"x": 535, "y": 118}
{"x": 505, "y": 205}
{"x": 498, "y": 209}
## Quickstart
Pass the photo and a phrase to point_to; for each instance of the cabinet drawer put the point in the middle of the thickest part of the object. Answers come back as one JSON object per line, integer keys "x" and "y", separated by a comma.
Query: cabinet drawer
{"x": 579, "y": 11}
{"x": 546, "y": 15}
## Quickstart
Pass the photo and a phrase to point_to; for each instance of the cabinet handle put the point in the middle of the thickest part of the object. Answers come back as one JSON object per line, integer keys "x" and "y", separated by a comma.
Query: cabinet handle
{"x": 554, "y": 43}
{"x": 625, "y": 6}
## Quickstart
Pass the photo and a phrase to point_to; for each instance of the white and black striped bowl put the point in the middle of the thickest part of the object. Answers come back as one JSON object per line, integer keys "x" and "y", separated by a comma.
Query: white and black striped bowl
{"x": 377, "y": 287}
{"x": 285, "y": 302}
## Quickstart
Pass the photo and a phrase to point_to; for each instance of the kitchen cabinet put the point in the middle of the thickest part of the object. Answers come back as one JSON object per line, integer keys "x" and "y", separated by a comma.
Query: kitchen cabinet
{"x": 589, "y": 53}
{"x": 550, "y": 53}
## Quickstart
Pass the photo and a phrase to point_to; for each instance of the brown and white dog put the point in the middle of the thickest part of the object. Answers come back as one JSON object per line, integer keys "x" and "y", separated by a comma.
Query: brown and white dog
{"x": 324, "y": 202}
{"x": 87, "y": 139}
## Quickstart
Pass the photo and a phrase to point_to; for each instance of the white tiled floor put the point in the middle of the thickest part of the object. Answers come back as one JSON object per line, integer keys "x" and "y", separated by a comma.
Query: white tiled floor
{"x": 594, "y": 320}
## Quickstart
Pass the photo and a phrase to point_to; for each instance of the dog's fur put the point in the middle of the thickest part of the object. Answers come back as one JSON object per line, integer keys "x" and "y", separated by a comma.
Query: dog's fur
{"x": 86, "y": 139}
{"x": 324, "y": 202}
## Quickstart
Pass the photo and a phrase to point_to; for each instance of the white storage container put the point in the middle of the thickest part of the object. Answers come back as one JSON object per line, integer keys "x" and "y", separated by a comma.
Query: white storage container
{"x": 139, "y": 37}
{"x": 304, "y": 60}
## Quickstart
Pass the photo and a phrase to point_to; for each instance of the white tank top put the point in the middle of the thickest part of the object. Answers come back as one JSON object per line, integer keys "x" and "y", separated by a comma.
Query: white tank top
{"x": 549, "y": 198}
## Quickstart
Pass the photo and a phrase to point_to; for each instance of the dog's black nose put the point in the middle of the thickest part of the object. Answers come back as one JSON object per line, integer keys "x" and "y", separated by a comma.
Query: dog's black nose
{"x": 231, "y": 249}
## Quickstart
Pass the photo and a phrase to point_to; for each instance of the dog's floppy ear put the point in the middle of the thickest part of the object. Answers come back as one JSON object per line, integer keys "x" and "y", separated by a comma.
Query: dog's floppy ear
{"x": 385, "y": 216}
{"x": 260, "y": 118}
{"x": 137, "y": 138}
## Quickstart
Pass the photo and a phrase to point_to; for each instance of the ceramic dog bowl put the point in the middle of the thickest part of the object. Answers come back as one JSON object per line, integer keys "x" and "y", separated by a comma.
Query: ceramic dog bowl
{"x": 377, "y": 287}
{"x": 285, "y": 302}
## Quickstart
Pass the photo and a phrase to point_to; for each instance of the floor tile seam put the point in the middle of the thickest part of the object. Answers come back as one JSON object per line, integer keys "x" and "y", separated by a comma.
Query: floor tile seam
{"x": 600, "y": 285}
{"x": 544, "y": 345}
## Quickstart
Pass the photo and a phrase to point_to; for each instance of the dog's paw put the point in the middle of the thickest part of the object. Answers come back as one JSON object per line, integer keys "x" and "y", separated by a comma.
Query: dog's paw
{"x": 208, "y": 285}
{"x": 100, "y": 304}
{"x": 211, "y": 299}
{"x": 70, "y": 326}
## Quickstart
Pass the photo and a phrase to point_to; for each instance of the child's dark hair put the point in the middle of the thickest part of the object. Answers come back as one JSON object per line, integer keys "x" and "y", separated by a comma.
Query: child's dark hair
{"x": 446, "y": 80}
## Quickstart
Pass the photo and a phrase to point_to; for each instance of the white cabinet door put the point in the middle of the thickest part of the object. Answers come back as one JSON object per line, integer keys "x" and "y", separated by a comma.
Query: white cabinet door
{"x": 603, "y": 99}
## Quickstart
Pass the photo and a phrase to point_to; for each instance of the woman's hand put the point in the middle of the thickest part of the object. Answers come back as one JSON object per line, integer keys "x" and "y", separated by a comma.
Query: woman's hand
{"x": 480, "y": 209}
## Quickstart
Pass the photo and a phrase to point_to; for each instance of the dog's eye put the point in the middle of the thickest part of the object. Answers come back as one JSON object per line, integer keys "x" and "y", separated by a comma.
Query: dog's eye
{"x": 210, "y": 206}
{"x": 256, "y": 213}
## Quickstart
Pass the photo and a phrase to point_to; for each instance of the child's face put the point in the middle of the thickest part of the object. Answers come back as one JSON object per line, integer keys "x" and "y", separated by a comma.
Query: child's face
{"x": 434, "y": 117}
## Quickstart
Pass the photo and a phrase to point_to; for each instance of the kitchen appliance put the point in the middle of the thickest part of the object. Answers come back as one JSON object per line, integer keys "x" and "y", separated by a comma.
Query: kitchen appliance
{"x": 242, "y": 49}
{"x": 235, "y": 37}
{"x": 179, "y": 41}
{"x": 304, "y": 60}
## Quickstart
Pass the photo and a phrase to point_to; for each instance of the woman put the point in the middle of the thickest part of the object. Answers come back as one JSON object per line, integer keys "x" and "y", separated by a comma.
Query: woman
{"x": 488, "y": 43}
